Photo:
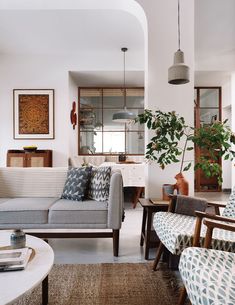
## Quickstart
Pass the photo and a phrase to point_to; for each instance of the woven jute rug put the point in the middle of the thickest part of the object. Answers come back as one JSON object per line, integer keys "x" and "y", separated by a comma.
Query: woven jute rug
{"x": 107, "y": 284}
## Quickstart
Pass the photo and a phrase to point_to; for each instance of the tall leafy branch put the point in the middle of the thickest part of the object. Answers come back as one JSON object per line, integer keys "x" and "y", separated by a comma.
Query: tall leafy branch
{"x": 170, "y": 132}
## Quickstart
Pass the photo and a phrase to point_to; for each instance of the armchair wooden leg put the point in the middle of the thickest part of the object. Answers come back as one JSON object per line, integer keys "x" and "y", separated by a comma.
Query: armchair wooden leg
{"x": 158, "y": 255}
{"x": 115, "y": 242}
{"x": 183, "y": 295}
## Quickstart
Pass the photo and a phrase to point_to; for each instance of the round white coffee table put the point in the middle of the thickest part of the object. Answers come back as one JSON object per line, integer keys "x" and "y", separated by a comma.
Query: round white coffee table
{"x": 14, "y": 284}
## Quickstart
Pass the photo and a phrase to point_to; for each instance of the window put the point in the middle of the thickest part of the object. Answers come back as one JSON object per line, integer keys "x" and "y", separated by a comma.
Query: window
{"x": 98, "y": 133}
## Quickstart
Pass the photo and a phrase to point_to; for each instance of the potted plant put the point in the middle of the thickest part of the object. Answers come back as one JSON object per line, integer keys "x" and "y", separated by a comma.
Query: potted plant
{"x": 172, "y": 138}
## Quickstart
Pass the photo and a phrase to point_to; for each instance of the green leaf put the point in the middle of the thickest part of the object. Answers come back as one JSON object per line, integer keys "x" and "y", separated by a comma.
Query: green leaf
{"x": 186, "y": 168}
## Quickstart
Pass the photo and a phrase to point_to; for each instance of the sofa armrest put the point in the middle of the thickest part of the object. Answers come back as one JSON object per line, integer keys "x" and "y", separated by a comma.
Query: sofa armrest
{"x": 116, "y": 201}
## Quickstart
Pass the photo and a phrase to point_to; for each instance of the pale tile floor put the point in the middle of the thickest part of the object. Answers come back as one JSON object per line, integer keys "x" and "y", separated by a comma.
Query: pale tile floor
{"x": 99, "y": 250}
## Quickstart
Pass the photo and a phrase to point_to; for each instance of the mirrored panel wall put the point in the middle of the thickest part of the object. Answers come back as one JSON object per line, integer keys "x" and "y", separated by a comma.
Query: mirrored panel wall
{"x": 207, "y": 101}
{"x": 98, "y": 133}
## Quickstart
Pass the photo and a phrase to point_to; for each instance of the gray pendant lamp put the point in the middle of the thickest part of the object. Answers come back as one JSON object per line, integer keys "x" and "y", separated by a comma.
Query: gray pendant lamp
{"x": 178, "y": 74}
{"x": 124, "y": 116}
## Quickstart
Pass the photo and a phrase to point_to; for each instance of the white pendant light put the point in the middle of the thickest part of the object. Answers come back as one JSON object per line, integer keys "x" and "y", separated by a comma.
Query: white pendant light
{"x": 124, "y": 116}
{"x": 178, "y": 74}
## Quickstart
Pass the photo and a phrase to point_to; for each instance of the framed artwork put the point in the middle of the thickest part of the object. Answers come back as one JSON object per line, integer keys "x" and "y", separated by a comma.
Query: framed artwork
{"x": 33, "y": 113}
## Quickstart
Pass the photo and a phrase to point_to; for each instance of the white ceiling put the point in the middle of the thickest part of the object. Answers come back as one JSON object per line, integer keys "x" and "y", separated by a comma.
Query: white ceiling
{"x": 215, "y": 35}
{"x": 108, "y": 78}
{"x": 70, "y": 32}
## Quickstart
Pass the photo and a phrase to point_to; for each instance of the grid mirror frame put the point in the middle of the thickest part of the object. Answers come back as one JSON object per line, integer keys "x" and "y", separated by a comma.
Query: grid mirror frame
{"x": 97, "y": 133}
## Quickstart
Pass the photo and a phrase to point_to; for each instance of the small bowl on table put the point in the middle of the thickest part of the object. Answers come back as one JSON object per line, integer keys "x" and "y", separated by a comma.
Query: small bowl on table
{"x": 30, "y": 148}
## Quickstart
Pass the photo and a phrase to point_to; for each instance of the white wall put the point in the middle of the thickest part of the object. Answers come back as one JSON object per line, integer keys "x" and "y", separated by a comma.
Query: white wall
{"x": 21, "y": 72}
{"x": 161, "y": 45}
{"x": 73, "y": 133}
{"x": 233, "y": 120}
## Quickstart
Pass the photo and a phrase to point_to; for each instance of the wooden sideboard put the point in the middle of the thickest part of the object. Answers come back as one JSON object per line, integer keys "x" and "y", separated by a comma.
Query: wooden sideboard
{"x": 20, "y": 158}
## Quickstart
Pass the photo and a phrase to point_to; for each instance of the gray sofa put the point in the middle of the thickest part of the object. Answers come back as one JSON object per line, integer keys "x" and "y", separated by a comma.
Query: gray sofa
{"x": 30, "y": 199}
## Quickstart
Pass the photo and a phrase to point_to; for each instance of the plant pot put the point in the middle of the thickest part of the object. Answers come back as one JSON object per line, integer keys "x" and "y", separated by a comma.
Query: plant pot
{"x": 181, "y": 185}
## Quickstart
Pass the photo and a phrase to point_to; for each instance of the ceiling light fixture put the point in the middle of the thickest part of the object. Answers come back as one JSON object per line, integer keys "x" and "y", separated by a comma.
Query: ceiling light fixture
{"x": 178, "y": 74}
{"x": 124, "y": 116}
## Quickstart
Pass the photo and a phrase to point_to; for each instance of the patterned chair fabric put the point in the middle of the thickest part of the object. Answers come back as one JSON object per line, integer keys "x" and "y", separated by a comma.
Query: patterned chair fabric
{"x": 229, "y": 210}
{"x": 176, "y": 233}
{"x": 176, "y": 230}
{"x": 208, "y": 276}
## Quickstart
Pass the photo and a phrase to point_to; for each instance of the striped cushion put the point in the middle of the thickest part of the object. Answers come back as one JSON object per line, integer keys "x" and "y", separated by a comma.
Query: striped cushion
{"x": 32, "y": 181}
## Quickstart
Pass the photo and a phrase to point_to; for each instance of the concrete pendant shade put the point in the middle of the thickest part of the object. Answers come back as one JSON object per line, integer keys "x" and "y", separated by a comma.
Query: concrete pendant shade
{"x": 178, "y": 74}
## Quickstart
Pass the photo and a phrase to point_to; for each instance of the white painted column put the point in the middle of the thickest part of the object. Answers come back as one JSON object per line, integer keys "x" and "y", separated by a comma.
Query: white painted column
{"x": 233, "y": 120}
{"x": 161, "y": 45}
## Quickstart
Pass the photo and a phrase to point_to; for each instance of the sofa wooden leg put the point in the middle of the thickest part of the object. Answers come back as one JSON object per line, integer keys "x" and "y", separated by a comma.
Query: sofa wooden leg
{"x": 115, "y": 242}
{"x": 158, "y": 255}
{"x": 183, "y": 295}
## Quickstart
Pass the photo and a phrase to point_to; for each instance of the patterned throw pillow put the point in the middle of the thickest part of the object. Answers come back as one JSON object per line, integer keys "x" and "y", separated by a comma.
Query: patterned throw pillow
{"x": 229, "y": 210}
{"x": 99, "y": 184}
{"x": 76, "y": 184}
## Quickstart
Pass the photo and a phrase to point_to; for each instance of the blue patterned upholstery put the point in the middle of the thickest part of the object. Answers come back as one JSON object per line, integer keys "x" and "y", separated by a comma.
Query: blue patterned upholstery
{"x": 229, "y": 210}
{"x": 176, "y": 230}
{"x": 176, "y": 233}
{"x": 208, "y": 276}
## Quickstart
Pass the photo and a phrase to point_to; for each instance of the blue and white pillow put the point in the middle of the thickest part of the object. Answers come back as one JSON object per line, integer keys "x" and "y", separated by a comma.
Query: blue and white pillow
{"x": 99, "y": 184}
{"x": 76, "y": 184}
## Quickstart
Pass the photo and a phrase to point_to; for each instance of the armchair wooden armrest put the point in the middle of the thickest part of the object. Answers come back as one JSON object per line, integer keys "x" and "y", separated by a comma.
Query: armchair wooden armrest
{"x": 200, "y": 216}
{"x": 215, "y": 217}
{"x": 216, "y": 206}
{"x": 211, "y": 225}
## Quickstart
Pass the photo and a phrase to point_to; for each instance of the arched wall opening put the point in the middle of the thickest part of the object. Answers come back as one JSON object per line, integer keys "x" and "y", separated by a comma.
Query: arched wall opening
{"x": 159, "y": 20}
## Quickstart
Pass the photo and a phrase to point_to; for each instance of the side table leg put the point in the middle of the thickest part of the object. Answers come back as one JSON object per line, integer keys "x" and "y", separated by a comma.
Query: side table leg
{"x": 148, "y": 233}
{"x": 142, "y": 235}
{"x": 45, "y": 291}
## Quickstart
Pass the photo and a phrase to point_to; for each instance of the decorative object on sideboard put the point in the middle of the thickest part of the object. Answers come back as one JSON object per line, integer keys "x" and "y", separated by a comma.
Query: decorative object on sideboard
{"x": 33, "y": 113}
{"x": 122, "y": 157}
{"x": 178, "y": 73}
{"x": 124, "y": 116}
{"x": 73, "y": 115}
{"x": 31, "y": 148}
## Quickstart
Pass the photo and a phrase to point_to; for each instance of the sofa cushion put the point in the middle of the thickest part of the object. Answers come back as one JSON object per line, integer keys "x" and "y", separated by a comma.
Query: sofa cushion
{"x": 24, "y": 182}
{"x": 86, "y": 212}
{"x": 25, "y": 210}
{"x": 99, "y": 184}
{"x": 76, "y": 184}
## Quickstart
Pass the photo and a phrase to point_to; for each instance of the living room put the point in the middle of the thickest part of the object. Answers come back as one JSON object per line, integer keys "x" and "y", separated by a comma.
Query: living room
{"x": 72, "y": 44}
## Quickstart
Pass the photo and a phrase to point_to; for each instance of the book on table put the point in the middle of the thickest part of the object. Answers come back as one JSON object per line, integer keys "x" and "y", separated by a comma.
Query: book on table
{"x": 14, "y": 259}
{"x": 159, "y": 201}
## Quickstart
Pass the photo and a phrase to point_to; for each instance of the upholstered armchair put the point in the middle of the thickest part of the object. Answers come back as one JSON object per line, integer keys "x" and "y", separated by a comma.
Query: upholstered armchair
{"x": 182, "y": 227}
{"x": 209, "y": 275}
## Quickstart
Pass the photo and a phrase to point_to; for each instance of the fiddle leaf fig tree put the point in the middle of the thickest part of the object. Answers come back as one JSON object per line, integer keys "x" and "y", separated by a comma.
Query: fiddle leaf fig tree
{"x": 170, "y": 131}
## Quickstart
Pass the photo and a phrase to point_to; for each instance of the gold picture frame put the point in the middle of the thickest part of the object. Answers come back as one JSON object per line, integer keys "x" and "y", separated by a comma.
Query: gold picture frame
{"x": 33, "y": 113}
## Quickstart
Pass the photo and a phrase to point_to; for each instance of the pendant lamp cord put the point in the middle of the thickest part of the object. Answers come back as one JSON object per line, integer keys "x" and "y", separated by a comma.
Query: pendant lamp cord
{"x": 124, "y": 70}
{"x": 179, "y": 23}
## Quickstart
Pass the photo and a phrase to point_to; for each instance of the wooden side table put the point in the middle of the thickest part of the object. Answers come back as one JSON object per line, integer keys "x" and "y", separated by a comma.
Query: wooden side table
{"x": 147, "y": 235}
